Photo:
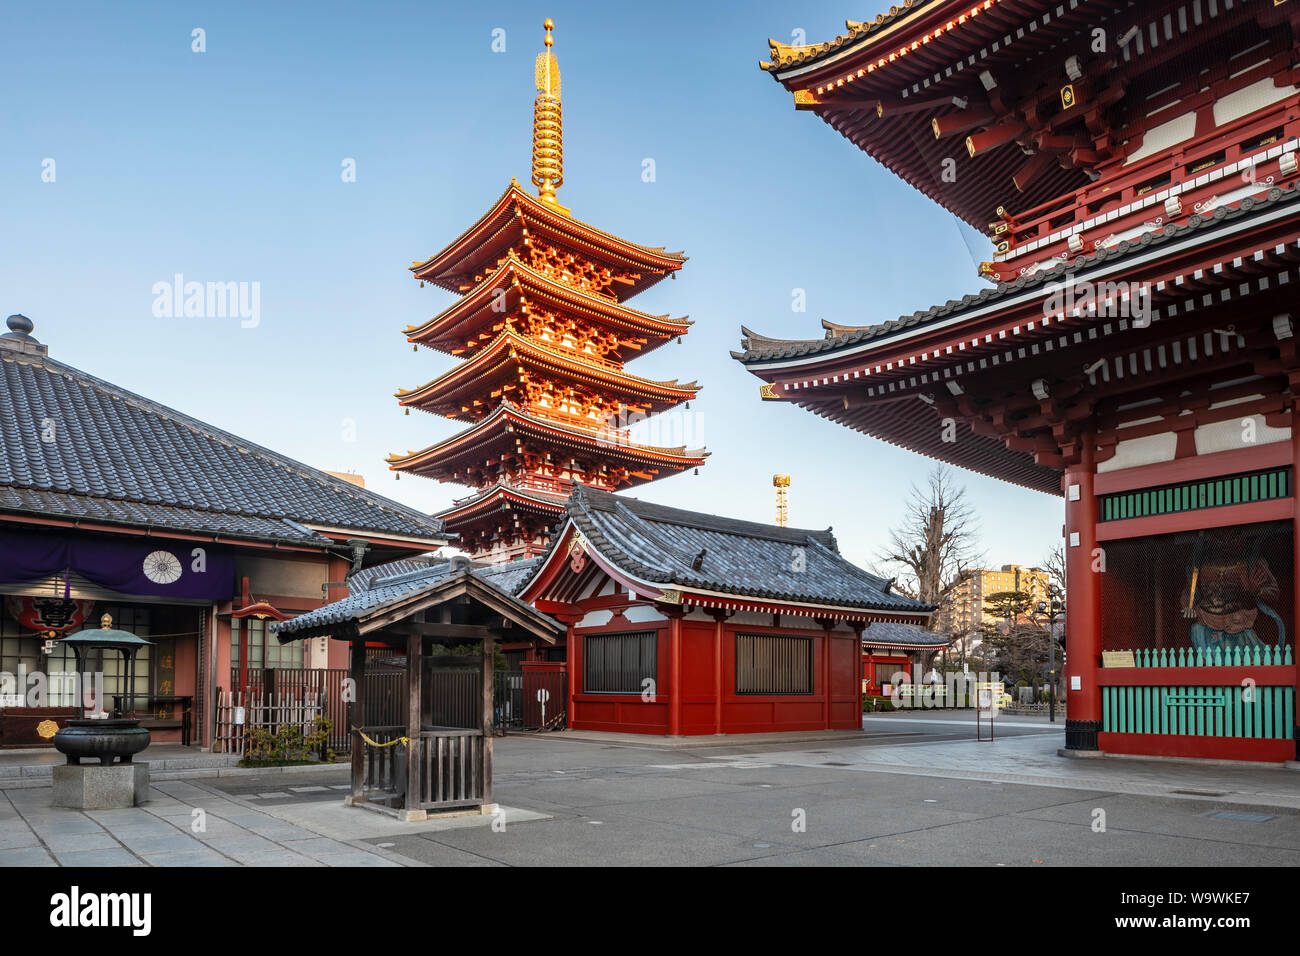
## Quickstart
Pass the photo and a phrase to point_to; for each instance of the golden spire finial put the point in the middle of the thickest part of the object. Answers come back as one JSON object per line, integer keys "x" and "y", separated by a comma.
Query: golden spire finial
{"x": 548, "y": 132}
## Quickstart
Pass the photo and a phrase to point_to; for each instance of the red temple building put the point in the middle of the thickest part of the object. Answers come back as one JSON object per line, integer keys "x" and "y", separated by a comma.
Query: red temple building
{"x": 544, "y": 335}
{"x": 1136, "y": 168}
{"x": 681, "y": 624}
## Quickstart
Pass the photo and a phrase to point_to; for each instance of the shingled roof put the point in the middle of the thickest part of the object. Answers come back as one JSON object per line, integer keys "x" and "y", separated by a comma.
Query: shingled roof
{"x": 691, "y": 550}
{"x": 381, "y": 593}
{"x": 79, "y": 447}
{"x": 894, "y": 634}
{"x": 762, "y": 348}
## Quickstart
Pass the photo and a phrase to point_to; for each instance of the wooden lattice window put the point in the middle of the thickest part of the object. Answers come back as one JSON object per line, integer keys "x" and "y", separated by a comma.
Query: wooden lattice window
{"x": 773, "y": 664}
{"x": 620, "y": 663}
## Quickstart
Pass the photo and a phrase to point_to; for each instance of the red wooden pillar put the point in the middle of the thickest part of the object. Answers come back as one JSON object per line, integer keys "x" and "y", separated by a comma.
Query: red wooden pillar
{"x": 571, "y": 668}
{"x": 826, "y": 624}
{"x": 675, "y": 672}
{"x": 357, "y": 716}
{"x": 719, "y": 616}
{"x": 1083, "y": 566}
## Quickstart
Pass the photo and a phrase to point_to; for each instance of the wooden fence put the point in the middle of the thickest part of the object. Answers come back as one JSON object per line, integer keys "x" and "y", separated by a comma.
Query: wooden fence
{"x": 266, "y": 711}
{"x": 450, "y": 765}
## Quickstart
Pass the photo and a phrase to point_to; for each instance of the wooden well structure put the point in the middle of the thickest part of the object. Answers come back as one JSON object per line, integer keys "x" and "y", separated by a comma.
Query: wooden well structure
{"x": 439, "y": 757}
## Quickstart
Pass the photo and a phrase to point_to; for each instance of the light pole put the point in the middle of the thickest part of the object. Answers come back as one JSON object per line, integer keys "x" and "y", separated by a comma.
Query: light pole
{"x": 1057, "y": 614}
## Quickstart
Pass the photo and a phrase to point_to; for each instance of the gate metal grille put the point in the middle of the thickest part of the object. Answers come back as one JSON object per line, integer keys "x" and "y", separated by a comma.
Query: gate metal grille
{"x": 531, "y": 700}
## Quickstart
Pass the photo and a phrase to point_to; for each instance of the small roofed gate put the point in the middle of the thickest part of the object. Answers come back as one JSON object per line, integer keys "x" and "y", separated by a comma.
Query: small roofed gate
{"x": 440, "y": 757}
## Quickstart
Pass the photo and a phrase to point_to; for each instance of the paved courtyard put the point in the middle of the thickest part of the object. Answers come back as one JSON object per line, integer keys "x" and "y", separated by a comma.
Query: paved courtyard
{"x": 913, "y": 791}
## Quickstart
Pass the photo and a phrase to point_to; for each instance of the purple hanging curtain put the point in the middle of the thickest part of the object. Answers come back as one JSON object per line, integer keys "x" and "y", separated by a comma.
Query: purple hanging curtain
{"x": 151, "y": 567}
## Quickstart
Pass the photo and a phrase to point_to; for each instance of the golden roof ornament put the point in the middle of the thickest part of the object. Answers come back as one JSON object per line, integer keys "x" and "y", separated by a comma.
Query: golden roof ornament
{"x": 106, "y": 622}
{"x": 548, "y": 130}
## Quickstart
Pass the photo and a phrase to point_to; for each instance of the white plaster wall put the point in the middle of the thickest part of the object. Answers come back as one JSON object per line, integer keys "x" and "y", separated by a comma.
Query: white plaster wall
{"x": 1133, "y": 452}
{"x": 641, "y": 613}
{"x": 1232, "y": 434}
{"x": 1248, "y": 99}
{"x": 1162, "y": 137}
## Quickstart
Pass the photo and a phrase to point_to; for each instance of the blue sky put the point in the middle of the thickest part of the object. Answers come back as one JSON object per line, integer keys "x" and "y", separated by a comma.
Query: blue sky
{"x": 225, "y": 166}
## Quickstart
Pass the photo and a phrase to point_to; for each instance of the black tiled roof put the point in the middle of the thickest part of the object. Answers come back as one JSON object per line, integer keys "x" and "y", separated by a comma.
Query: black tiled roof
{"x": 785, "y": 56}
{"x": 119, "y": 458}
{"x": 689, "y": 549}
{"x": 892, "y": 632}
{"x": 381, "y": 591}
{"x": 761, "y": 348}
{"x": 364, "y": 579}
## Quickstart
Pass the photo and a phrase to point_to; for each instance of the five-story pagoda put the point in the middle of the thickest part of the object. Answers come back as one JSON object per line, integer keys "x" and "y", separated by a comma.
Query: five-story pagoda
{"x": 544, "y": 333}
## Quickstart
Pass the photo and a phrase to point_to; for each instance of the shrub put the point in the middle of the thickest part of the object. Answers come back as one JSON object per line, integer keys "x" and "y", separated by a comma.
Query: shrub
{"x": 288, "y": 745}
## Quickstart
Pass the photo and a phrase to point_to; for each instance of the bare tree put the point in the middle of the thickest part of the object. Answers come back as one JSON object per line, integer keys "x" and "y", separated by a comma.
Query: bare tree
{"x": 1055, "y": 566}
{"x": 933, "y": 546}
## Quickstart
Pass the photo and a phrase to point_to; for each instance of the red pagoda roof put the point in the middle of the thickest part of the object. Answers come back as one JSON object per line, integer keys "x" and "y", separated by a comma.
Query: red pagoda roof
{"x": 896, "y": 380}
{"x": 496, "y": 369}
{"x": 483, "y": 312}
{"x": 995, "y": 107}
{"x": 501, "y": 497}
{"x": 468, "y": 455}
{"x": 513, "y": 220}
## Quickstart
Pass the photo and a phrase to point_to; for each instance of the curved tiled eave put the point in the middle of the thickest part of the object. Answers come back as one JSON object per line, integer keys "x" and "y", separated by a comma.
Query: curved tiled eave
{"x": 480, "y": 310}
{"x": 503, "y": 226}
{"x": 508, "y": 422}
{"x": 1169, "y": 256}
{"x": 491, "y": 366}
{"x": 495, "y": 500}
{"x": 915, "y": 427}
{"x": 945, "y": 62}
{"x": 642, "y": 551}
{"x": 905, "y": 146}
{"x": 943, "y": 40}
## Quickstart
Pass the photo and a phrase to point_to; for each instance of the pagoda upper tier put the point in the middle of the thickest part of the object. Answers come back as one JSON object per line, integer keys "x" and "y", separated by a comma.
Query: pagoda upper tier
{"x": 511, "y": 445}
{"x": 547, "y": 309}
{"x": 1060, "y": 129}
{"x": 546, "y": 379}
{"x": 544, "y": 334}
{"x": 552, "y": 243}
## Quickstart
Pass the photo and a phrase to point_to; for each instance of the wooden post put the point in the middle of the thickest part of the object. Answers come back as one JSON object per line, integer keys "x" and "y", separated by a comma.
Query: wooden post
{"x": 357, "y": 717}
{"x": 489, "y": 686}
{"x": 719, "y": 616}
{"x": 1083, "y": 609}
{"x": 414, "y": 696}
{"x": 675, "y": 672}
{"x": 826, "y": 625}
{"x": 570, "y": 668}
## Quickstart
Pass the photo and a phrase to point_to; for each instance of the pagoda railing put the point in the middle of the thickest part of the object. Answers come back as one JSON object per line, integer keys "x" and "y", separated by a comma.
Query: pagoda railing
{"x": 599, "y": 428}
{"x": 1057, "y": 216}
{"x": 553, "y": 486}
{"x": 1213, "y": 657}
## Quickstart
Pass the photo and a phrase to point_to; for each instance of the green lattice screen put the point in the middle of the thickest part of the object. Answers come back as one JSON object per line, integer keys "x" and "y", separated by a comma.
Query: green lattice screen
{"x": 1195, "y": 495}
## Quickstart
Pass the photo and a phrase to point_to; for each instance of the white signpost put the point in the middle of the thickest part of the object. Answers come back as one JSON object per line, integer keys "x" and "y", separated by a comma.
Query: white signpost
{"x": 543, "y": 696}
{"x": 988, "y": 698}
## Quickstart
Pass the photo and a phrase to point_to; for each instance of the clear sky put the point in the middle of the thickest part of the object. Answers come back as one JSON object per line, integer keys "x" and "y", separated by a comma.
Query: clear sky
{"x": 226, "y": 166}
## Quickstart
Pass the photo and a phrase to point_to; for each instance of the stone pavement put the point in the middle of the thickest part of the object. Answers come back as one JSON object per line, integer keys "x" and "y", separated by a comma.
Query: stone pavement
{"x": 167, "y": 761}
{"x": 230, "y": 831}
{"x": 1032, "y": 759}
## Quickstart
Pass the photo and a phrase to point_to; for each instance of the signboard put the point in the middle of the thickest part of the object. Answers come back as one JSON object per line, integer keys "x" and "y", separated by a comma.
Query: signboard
{"x": 986, "y": 699}
{"x": 1117, "y": 659}
{"x": 239, "y": 716}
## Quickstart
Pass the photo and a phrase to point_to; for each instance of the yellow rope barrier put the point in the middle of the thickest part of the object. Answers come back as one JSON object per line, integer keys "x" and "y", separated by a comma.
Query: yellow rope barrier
{"x": 376, "y": 743}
